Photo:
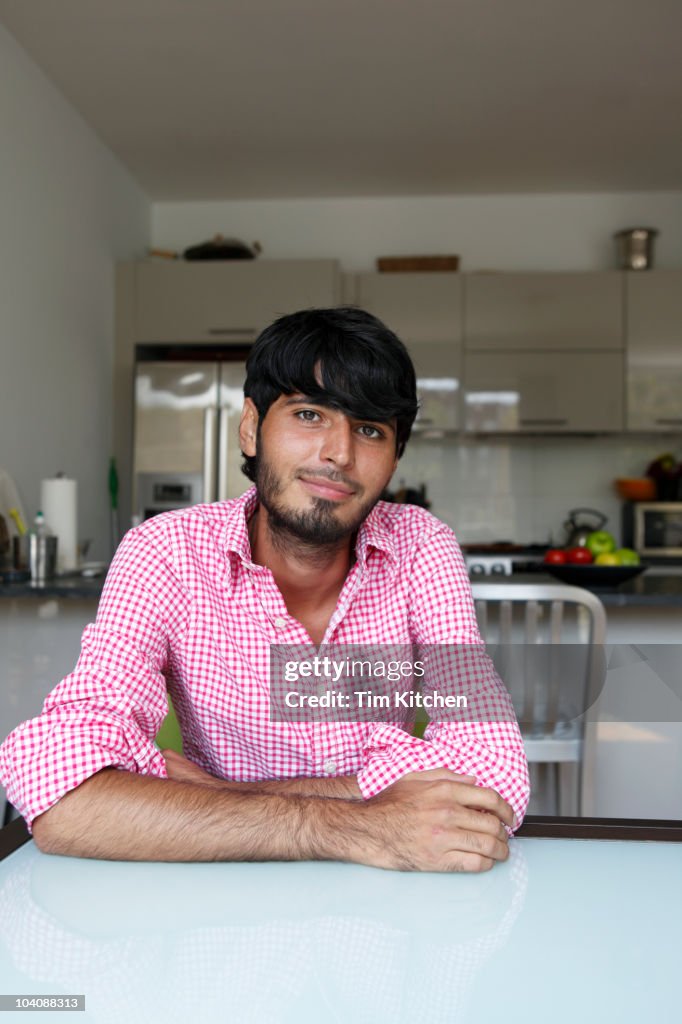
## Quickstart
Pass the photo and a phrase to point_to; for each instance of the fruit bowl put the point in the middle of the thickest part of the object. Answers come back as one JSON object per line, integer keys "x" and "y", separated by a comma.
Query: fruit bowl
{"x": 594, "y": 575}
{"x": 636, "y": 488}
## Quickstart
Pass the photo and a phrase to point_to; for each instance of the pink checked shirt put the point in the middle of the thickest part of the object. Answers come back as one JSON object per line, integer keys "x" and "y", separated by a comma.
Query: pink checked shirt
{"x": 185, "y": 611}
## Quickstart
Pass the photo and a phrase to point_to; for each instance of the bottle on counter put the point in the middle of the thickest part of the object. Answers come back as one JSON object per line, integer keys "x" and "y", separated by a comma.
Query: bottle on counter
{"x": 42, "y": 550}
{"x": 40, "y": 527}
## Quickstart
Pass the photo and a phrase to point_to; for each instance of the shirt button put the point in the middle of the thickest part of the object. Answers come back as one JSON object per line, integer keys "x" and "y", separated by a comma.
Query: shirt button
{"x": 280, "y": 622}
{"x": 329, "y": 767}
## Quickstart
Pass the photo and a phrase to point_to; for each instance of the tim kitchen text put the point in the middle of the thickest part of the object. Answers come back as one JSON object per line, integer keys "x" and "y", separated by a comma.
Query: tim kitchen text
{"x": 369, "y": 699}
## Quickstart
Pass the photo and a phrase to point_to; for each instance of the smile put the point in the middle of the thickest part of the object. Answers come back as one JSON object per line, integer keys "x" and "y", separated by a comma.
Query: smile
{"x": 322, "y": 488}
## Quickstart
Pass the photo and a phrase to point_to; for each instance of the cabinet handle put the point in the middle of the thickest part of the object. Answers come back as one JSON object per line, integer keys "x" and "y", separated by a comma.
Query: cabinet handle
{"x": 543, "y": 423}
{"x": 241, "y": 332}
{"x": 670, "y": 421}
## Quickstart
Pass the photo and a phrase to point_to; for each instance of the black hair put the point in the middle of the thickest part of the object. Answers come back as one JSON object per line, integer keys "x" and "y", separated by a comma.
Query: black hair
{"x": 365, "y": 369}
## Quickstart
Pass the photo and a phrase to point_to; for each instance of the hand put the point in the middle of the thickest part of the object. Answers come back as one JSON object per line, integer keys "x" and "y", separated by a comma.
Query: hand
{"x": 180, "y": 769}
{"x": 440, "y": 821}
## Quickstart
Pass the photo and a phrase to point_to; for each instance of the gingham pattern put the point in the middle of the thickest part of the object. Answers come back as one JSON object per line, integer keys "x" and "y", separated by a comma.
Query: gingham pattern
{"x": 184, "y": 609}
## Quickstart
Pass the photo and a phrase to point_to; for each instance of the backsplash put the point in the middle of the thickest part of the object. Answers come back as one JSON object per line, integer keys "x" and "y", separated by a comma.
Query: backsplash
{"x": 491, "y": 489}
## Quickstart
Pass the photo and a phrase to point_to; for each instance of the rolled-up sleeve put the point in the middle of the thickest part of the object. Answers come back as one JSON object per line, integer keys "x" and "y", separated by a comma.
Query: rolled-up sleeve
{"x": 484, "y": 742}
{"x": 107, "y": 712}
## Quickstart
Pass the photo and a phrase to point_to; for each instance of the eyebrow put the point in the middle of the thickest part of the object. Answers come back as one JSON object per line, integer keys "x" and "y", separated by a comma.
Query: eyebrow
{"x": 306, "y": 400}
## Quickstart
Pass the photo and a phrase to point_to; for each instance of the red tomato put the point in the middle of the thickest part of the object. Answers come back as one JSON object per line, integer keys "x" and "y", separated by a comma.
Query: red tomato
{"x": 556, "y": 556}
{"x": 579, "y": 556}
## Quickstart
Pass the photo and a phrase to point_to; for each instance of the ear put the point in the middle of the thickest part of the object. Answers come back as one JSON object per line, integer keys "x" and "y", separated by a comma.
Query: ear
{"x": 248, "y": 426}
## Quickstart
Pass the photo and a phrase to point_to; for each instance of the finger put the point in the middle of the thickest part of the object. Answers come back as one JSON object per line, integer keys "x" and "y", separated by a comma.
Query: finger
{"x": 172, "y": 755}
{"x": 469, "y": 831}
{"x": 484, "y": 799}
{"x": 461, "y": 840}
{"x": 465, "y": 862}
{"x": 479, "y": 821}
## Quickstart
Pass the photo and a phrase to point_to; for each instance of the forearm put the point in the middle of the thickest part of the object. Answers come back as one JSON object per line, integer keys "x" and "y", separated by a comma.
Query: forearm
{"x": 116, "y": 815}
{"x": 344, "y": 787}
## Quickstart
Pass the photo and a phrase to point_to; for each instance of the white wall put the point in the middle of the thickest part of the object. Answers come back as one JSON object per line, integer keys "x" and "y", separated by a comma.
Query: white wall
{"x": 491, "y": 489}
{"x": 500, "y": 232}
{"x": 68, "y": 211}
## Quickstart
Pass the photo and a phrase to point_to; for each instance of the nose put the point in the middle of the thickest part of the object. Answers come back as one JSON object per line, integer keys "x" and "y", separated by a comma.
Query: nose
{"x": 337, "y": 444}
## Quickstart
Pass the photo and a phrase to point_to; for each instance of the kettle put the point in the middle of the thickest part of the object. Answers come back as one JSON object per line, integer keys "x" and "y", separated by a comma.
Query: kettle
{"x": 578, "y": 530}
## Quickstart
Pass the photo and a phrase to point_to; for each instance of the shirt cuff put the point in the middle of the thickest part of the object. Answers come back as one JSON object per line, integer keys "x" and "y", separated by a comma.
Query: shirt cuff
{"x": 41, "y": 761}
{"x": 391, "y": 754}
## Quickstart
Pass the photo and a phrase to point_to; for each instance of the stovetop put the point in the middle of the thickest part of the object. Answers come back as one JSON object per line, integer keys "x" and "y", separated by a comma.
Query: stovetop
{"x": 503, "y": 558}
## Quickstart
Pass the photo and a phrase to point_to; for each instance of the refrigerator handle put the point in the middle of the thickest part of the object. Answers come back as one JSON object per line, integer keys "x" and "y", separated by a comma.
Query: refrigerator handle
{"x": 223, "y": 453}
{"x": 210, "y": 440}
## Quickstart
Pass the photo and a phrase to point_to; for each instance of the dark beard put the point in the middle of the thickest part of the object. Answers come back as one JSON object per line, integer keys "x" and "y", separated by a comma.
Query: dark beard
{"x": 316, "y": 528}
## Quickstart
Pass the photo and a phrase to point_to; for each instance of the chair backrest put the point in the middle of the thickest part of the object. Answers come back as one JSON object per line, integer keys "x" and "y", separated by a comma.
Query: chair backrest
{"x": 547, "y": 643}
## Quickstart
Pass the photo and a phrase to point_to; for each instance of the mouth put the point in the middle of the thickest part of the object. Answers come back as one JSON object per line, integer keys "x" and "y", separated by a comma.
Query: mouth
{"x": 320, "y": 487}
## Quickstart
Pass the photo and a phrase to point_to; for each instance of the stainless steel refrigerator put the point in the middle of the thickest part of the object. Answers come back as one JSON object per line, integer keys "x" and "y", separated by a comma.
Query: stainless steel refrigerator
{"x": 186, "y": 443}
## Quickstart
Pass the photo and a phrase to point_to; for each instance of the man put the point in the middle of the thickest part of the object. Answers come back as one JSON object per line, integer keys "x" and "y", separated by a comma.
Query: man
{"x": 192, "y": 604}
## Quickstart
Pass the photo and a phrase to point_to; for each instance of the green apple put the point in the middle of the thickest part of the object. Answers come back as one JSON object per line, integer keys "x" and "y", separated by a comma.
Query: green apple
{"x": 607, "y": 558}
{"x": 626, "y": 556}
{"x": 600, "y": 542}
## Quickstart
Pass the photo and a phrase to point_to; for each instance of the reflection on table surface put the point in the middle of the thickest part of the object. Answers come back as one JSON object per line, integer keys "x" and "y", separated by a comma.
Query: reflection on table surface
{"x": 560, "y": 923}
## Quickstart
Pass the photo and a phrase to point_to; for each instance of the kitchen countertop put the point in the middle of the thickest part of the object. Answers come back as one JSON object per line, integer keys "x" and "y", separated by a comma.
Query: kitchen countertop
{"x": 652, "y": 589}
{"x": 648, "y": 589}
{"x": 66, "y": 587}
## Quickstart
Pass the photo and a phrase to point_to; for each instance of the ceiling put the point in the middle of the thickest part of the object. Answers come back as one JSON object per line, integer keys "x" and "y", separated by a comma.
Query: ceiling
{"x": 227, "y": 99}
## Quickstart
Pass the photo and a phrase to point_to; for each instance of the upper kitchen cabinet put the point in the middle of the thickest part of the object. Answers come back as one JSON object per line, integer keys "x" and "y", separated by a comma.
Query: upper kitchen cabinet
{"x": 543, "y": 352}
{"x": 556, "y": 392}
{"x": 425, "y": 311}
{"x": 653, "y": 317}
{"x": 548, "y": 311}
{"x": 225, "y": 301}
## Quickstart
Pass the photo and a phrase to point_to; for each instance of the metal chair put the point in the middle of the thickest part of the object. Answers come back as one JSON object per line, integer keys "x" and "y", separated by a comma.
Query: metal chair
{"x": 547, "y": 643}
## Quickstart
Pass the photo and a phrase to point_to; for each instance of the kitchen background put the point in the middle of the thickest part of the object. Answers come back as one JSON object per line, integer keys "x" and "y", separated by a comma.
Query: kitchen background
{"x": 70, "y": 210}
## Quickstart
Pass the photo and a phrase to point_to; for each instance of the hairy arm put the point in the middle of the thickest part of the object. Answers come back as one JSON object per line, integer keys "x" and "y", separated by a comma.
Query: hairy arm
{"x": 426, "y": 822}
{"x": 342, "y": 787}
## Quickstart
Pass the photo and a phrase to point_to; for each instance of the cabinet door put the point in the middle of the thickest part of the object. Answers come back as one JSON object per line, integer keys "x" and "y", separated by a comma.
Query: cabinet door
{"x": 222, "y": 301}
{"x": 556, "y": 392}
{"x": 544, "y": 311}
{"x": 654, "y": 349}
{"x": 425, "y": 311}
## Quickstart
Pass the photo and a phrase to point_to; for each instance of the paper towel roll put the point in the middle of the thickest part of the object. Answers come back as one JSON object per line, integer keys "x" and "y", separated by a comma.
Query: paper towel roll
{"x": 58, "y": 501}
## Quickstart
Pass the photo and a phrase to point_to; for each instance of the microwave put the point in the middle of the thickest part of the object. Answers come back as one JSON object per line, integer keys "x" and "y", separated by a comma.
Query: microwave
{"x": 653, "y": 528}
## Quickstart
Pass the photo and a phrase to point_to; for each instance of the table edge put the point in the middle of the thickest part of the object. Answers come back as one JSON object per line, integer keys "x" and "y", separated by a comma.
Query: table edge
{"x": 14, "y": 835}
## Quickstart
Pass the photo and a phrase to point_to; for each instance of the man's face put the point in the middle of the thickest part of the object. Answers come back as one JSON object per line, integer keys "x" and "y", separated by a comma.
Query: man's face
{"x": 319, "y": 472}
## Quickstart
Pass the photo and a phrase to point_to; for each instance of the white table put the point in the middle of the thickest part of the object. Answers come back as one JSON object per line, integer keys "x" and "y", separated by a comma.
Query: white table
{"x": 565, "y": 931}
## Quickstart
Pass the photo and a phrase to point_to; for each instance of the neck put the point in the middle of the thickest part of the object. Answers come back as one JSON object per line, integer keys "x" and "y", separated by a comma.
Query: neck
{"x": 296, "y": 564}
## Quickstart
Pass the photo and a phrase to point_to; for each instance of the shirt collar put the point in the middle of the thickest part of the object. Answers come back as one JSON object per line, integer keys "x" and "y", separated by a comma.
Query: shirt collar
{"x": 373, "y": 533}
{"x": 236, "y": 533}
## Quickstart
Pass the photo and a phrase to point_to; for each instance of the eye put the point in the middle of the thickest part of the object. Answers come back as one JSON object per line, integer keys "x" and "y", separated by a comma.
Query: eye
{"x": 307, "y": 415}
{"x": 370, "y": 431}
